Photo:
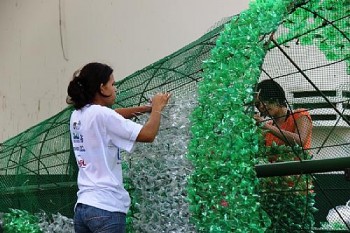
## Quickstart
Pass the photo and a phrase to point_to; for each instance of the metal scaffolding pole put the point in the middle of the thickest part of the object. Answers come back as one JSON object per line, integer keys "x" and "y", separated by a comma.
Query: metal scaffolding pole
{"x": 302, "y": 167}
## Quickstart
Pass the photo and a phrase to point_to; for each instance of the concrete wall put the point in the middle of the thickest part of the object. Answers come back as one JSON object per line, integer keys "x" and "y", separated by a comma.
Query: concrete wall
{"x": 38, "y": 56}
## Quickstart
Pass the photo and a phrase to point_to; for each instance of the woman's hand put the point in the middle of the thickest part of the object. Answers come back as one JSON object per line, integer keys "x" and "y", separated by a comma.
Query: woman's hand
{"x": 151, "y": 127}
{"x": 260, "y": 120}
{"x": 159, "y": 101}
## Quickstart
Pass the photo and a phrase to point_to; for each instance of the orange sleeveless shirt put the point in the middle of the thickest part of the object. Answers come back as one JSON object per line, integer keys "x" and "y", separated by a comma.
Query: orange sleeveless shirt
{"x": 289, "y": 182}
{"x": 289, "y": 125}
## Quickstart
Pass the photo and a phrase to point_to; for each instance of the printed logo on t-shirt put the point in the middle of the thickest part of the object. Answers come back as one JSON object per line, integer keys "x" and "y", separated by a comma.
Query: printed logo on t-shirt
{"x": 81, "y": 162}
{"x": 79, "y": 148}
{"x": 78, "y": 138}
{"x": 76, "y": 125}
{"x": 115, "y": 152}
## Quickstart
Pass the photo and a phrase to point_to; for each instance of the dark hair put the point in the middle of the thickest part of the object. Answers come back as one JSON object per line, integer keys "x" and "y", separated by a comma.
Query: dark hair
{"x": 86, "y": 83}
{"x": 270, "y": 90}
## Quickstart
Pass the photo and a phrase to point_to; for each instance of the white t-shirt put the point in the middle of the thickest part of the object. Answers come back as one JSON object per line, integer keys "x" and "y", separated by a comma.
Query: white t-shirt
{"x": 98, "y": 133}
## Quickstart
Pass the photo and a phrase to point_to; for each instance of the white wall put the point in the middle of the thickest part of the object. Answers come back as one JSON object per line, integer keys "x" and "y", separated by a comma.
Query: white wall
{"x": 126, "y": 34}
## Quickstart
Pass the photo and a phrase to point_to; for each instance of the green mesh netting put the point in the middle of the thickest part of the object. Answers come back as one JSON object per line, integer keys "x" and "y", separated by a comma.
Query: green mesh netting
{"x": 303, "y": 45}
{"x": 36, "y": 168}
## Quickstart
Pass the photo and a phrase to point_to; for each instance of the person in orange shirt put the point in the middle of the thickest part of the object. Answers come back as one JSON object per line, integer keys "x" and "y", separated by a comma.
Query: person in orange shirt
{"x": 283, "y": 126}
{"x": 285, "y": 198}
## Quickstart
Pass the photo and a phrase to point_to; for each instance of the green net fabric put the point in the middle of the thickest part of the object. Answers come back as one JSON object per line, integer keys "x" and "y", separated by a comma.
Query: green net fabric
{"x": 36, "y": 168}
{"x": 303, "y": 45}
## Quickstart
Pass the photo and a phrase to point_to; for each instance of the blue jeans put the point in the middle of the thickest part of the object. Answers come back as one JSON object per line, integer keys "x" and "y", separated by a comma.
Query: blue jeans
{"x": 89, "y": 219}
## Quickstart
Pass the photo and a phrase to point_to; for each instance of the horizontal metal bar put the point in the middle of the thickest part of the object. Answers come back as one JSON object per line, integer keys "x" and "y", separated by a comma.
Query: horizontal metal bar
{"x": 302, "y": 167}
